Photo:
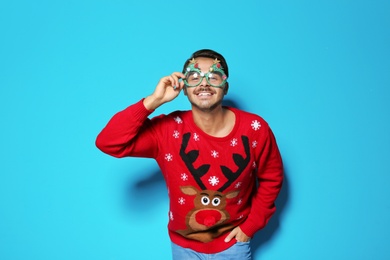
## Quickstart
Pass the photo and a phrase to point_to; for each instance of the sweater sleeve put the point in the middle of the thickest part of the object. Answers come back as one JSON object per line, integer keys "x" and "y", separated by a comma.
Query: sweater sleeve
{"x": 270, "y": 177}
{"x": 129, "y": 133}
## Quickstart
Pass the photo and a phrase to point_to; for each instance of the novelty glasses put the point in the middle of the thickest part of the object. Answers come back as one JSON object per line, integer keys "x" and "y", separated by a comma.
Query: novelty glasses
{"x": 194, "y": 76}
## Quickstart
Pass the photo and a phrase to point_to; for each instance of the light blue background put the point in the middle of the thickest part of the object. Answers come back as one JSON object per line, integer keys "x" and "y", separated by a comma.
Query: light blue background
{"x": 317, "y": 71}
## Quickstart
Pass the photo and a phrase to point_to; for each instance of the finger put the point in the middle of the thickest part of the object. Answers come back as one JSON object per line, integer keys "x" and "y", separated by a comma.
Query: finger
{"x": 177, "y": 76}
{"x": 174, "y": 81}
{"x": 171, "y": 81}
{"x": 231, "y": 235}
{"x": 241, "y": 236}
{"x": 167, "y": 81}
{"x": 181, "y": 85}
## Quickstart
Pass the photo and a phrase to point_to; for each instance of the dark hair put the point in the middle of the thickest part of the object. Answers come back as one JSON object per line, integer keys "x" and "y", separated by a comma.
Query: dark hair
{"x": 206, "y": 53}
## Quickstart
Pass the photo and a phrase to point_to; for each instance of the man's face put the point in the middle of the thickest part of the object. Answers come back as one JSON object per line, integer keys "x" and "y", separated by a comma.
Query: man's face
{"x": 205, "y": 97}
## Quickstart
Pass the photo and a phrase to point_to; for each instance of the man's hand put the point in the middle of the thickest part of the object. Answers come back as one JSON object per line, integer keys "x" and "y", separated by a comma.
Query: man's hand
{"x": 167, "y": 89}
{"x": 238, "y": 234}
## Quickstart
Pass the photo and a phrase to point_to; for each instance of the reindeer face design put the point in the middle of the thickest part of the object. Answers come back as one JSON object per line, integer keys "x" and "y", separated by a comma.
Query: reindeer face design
{"x": 209, "y": 213}
{"x": 209, "y": 208}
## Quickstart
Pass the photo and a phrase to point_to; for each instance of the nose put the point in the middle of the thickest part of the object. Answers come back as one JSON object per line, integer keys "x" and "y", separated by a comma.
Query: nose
{"x": 208, "y": 217}
{"x": 204, "y": 82}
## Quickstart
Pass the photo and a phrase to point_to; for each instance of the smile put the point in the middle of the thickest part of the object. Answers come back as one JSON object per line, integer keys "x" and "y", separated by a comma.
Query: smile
{"x": 202, "y": 94}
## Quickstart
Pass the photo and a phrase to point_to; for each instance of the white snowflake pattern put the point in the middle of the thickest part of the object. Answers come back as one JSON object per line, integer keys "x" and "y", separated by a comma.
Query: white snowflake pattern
{"x": 239, "y": 202}
{"x": 184, "y": 177}
{"x": 240, "y": 217}
{"x": 178, "y": 120}
{"x": 233, "y": 142}
{"x": 171, "y": 216}
{"x": 213, "y": 180}
{"x": 255, "y": 125}
{"x": 169, "y": 157}
{"x": 182, "y": 201}
{"x": 238, "y": 185}
{"x": 176, "y": 134}
{"x": 196, "y": 137}
{"x": 254, "y": 144}
{"x": 214, "y": 154}
{"x": 254, "y": 165}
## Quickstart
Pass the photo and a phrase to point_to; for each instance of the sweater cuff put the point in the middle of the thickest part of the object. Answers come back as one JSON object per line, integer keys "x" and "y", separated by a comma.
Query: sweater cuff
{"x": 250, "y": 227}
{"x": 138, "y": 110}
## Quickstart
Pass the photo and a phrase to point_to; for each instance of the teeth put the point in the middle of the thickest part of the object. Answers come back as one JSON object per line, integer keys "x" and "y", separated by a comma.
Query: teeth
{"x": 204, "y": 94}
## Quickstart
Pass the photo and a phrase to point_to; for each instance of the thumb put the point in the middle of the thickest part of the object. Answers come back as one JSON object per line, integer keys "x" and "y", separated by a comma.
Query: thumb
{"x": 231, "y": 235}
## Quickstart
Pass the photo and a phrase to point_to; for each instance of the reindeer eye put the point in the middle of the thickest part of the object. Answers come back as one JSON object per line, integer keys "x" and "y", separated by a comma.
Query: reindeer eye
{"x": 216, "y": 201}
{"x": 205, "y": 200}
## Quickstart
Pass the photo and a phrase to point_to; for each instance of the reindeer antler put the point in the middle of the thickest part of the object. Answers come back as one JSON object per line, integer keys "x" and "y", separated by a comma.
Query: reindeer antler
{"x": 189, "y": 158}
{"x": 239, "y": 161}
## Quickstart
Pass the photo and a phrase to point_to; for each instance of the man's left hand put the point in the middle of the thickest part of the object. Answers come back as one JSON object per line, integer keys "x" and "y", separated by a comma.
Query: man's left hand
{"x": 238, "y": 234}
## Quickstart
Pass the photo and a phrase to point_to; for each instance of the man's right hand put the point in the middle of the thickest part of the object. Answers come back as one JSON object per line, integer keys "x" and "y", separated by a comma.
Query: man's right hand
{"x": 167, "y": 89}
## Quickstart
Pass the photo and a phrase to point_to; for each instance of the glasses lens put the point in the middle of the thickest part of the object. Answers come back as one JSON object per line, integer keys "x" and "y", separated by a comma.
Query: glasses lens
{"x": 193, "y": 78}
{"x": 215, "y": 78}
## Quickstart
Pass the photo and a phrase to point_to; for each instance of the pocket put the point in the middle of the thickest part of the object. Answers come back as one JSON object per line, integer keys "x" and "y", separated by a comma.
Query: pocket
{"x": 243, "y": 243}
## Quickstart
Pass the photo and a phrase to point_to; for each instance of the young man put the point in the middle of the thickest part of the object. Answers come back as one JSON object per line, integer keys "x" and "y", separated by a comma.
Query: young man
{"x": 222, "y": 165}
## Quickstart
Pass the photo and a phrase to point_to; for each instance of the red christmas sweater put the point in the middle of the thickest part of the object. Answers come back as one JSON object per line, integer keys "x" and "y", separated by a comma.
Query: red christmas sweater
{"x": 211, "y": 181}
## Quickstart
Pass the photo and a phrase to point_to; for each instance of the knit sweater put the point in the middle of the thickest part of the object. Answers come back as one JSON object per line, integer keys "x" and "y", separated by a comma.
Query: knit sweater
{"x": 214, "y": 183}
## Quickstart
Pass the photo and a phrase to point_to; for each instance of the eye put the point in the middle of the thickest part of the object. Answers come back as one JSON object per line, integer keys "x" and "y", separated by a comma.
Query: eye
{"x": 215, "y": 77}
{"x": 216, "y": 201}
{"x": 205, "y": 200}
{"x": 194, "y": 76}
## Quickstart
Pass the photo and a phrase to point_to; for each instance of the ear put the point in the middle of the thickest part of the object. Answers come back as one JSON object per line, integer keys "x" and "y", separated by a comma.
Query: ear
{"x": 189, "y": 190}
{"x": 232, "y": 194}
{"x": 185, "y": 90}
{"x": 226, "y": 88}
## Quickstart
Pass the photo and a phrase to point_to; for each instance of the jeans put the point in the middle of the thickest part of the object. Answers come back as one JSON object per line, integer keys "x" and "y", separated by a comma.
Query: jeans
{"x": 239, "y": 251}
